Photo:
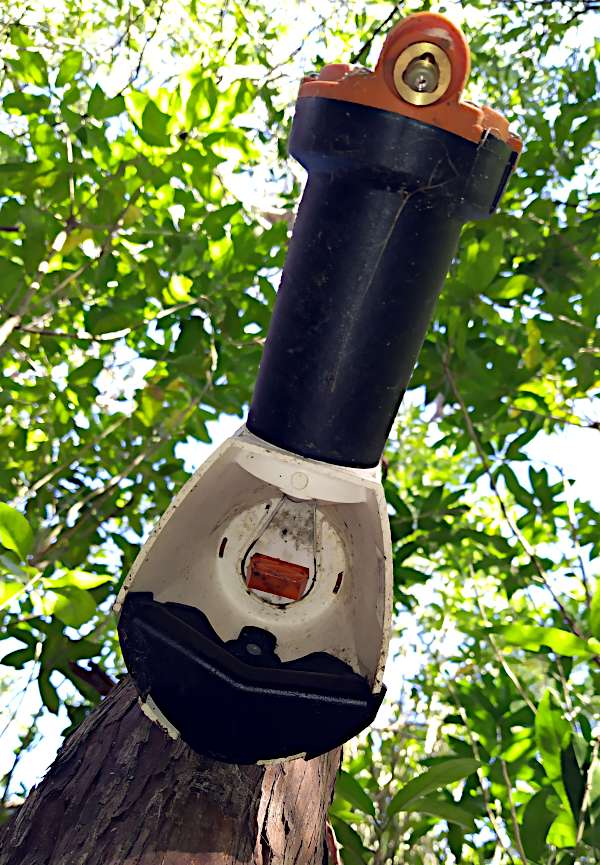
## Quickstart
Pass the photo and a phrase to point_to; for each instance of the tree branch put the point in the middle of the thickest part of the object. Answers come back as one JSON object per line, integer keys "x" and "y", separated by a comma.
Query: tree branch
{"x": 58, "y": 536}
{"x": 94, "y": 676}
{"x": 498, "y": 652}
{"x": 482, "y": 779}
{"x": 575, "y": 537}
{"x": 46, "y": 478}
{"x": 367, "y": 45}
{"x": 513, "y": 528}
{"x": 585, "y": 803}
{"x": 513, "y": 812}
{"x": 14, "y": 321}
{"x": 84, "y": 336}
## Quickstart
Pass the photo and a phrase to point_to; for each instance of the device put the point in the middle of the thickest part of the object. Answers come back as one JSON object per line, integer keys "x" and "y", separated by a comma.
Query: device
{"x": 255, "y": 620}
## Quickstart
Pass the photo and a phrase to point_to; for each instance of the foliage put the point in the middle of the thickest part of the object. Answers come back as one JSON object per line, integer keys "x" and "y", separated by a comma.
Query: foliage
{"x": 138, "y": 255}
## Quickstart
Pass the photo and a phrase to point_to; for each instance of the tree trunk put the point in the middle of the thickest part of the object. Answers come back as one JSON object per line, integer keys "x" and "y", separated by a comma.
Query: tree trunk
{"x": 121, "y": 792}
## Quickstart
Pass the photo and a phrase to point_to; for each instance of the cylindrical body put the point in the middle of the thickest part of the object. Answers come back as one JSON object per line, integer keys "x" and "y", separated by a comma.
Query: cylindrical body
{"x": 377, "y": 227}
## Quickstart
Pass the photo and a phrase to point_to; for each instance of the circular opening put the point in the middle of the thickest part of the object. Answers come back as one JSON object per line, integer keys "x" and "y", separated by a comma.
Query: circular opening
{"x": 422, "y": 73}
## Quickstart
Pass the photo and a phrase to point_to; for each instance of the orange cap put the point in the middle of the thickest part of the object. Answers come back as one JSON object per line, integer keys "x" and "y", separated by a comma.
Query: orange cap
{"x": 378, "y": 89}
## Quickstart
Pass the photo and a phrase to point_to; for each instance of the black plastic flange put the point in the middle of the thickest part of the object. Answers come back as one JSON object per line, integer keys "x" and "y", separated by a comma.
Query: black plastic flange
{"x": 237, "y": 701}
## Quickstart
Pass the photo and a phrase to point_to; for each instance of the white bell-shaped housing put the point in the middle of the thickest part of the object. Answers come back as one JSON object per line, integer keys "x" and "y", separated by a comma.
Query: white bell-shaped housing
{"x": 255, "y": 619}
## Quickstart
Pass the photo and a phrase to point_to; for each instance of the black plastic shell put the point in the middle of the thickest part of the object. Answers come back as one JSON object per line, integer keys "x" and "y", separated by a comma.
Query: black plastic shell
{"x": 230, "y": 704}
{"x": 376, "y": 230}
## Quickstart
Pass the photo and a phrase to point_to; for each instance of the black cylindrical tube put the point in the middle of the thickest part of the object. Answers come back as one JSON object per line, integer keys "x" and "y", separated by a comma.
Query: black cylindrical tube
{"x": 376, "y": 230}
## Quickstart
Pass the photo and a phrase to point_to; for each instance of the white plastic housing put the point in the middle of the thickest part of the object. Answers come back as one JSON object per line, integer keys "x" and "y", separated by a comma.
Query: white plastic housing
{"x": 198, "y": 553}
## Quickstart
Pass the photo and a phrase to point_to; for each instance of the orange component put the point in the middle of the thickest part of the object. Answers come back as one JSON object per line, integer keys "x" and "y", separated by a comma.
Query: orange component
{"x": 277, "y": 577}
{"x": 378, "y": 90}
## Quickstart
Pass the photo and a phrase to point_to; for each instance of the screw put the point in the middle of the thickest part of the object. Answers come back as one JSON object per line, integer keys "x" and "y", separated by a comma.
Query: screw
{"x": 422, "y": 74}
{"x": 253, "y": 649}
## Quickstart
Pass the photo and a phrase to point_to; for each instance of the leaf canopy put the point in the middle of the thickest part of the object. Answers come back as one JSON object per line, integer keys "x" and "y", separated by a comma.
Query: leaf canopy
{"x": 144, "y": 216}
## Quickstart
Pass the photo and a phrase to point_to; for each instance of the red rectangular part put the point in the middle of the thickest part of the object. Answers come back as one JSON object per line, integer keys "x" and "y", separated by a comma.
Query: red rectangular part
{"x": 277, "y": 577}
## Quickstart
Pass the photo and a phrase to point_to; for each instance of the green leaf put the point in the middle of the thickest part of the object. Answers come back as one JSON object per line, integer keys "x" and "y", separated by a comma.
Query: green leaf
{"x": 347, "y": 836}
{"x": 79, "y": 579}
{"x": 409, "y": 576}
{"x": 191, "y": 338}
{"x": 402, "y": 510}
{"x": 350, "y": 789}
{"x": 178, "y": 290}
{"x": 522, "y": 496}
{"x": 15, "y": 531}
{"x": 135, "y": 103}
{"x": 537, "y": 819}
{"x": 351, "y": 857}
{"x": 533, "y": 637}
{"x": 153, "y": 129}
{"x": 438, "y": 776}
{"x": 573, "y": 778}
{"x": 455, "y": 841}
{"x": 442, "y": 808}
{"x": 18, "y": 658}
{"x": 100, "y": 106}
{"x": 514, "y": 286}
{"x": 48, "y": 692}
{"x": 74, "y": 239}
{"x": 70, "y": 65}
{"x": 150, "y": 407}
{"x": 71, "y": 605}
{"x": 516, "y": 750}
{"x": 104, "y": 319}
{"x": 86, "y": 373}
{"x": 481, "y": 260}
{"x": 30, "y": 67}
{"x": 20, "y": 102}
{"x": 552, "y": 733}
{"x": 340, "y": 808}
{"x": 563, "y": 831}
{"x": 8, "y": 564}
{"x": 595, "y": 612}
{"x": 9, "y": 590}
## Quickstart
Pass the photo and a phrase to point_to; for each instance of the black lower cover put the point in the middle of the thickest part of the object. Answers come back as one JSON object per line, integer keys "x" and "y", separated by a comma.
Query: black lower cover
{"x": 237, "y": 701}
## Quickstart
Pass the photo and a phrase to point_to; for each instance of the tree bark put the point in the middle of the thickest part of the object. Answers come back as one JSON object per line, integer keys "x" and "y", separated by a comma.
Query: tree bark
{"x": 121, "y": 792}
